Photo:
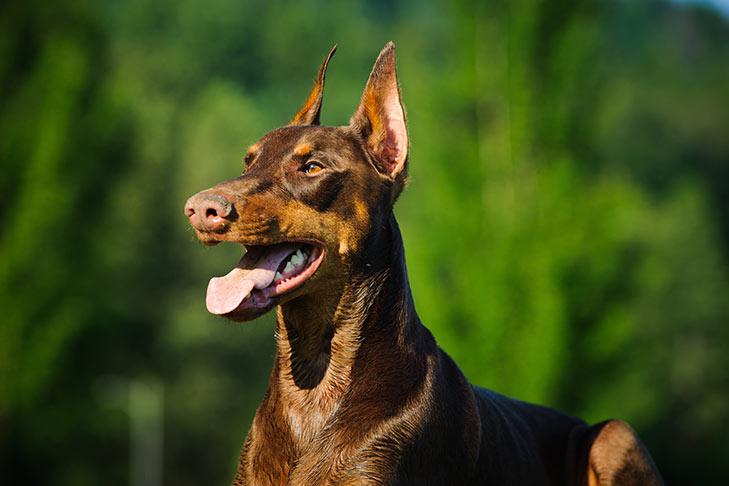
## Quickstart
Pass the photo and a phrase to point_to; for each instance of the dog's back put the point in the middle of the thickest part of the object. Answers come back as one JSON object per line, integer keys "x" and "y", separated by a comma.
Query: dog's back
{"x": 540, "y": 445}
{"x": 469, "y": 433}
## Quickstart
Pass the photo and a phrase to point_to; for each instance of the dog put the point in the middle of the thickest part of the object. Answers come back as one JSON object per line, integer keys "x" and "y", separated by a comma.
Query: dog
{"x": 360, "y": 393}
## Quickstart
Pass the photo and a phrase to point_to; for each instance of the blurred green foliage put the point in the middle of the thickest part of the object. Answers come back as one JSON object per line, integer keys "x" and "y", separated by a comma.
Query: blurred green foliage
{"x": 567, "y": 221}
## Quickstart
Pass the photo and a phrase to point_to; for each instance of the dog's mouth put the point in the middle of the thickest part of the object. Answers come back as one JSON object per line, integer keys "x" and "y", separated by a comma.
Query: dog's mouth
{"x": 261, "y": 277}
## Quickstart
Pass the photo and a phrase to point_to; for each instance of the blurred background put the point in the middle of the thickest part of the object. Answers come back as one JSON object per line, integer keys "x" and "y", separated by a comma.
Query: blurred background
{"x": 566, "y": 225}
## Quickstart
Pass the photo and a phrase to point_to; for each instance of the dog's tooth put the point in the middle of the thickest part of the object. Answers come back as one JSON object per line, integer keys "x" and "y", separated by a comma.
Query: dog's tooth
{"x": 297, "y": 259}
{"x": 289, "y": 267}
{"x": 277, "y": 277}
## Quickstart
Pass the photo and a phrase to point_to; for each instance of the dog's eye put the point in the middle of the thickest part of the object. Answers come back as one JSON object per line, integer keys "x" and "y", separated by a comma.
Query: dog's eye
{"x": 311, "y": 168}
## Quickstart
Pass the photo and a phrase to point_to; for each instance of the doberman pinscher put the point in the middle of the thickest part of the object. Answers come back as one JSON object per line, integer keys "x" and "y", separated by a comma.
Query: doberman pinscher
{"x": 360, "y": 393}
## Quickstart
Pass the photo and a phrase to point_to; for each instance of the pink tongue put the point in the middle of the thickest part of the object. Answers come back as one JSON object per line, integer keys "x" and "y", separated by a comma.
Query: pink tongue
{"x": 255, "y": 270}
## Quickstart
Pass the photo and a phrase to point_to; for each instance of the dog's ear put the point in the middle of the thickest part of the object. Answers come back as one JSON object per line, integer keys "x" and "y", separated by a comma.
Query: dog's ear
{"x": 380, "y": 117}
{"x": 309, "y": 113}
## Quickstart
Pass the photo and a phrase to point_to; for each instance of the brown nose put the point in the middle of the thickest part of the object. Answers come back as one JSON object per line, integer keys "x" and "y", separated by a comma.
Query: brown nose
{"x": 209, "y": 212}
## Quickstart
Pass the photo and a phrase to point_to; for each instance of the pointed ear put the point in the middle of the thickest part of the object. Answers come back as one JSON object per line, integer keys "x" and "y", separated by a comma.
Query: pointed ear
{"x": 309, "y": 113}
{"x": 380, "y": 117}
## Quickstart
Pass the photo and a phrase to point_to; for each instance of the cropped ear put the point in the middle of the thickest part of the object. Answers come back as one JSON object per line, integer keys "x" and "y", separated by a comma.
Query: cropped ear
{"x": 309, "y": 113}
{"x": 380, "y": 117}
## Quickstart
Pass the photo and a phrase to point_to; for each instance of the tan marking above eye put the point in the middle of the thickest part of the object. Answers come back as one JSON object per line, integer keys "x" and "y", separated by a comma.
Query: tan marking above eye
{"x": 251, "y": 153}
{"x": 303, "y": 150}
{"x": 253, "y": 149}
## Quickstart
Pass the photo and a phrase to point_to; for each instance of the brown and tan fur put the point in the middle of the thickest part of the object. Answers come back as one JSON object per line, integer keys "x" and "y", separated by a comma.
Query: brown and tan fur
{"x": 360, "y": 393}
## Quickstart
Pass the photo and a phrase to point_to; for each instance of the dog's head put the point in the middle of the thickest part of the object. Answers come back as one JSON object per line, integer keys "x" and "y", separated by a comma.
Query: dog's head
{"x": 309, "y": 200}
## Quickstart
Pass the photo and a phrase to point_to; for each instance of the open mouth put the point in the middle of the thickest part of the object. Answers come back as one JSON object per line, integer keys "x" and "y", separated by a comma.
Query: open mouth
{"x": 264, "y": 273}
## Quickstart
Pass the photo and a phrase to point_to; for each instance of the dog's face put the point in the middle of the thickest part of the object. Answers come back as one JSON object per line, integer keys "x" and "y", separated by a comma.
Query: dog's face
{"x": 308, "y": 201}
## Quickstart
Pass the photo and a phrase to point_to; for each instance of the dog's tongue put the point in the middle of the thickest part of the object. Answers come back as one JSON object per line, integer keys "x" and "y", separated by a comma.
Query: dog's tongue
{"x": 255, "y": 270}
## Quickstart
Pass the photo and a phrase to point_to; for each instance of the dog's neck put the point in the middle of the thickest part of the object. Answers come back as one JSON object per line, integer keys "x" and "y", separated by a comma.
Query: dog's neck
{"x": 329, "y": 344}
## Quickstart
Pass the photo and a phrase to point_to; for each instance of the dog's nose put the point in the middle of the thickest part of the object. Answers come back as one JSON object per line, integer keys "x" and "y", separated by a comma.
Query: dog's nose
{"x": 209, "y": 212}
